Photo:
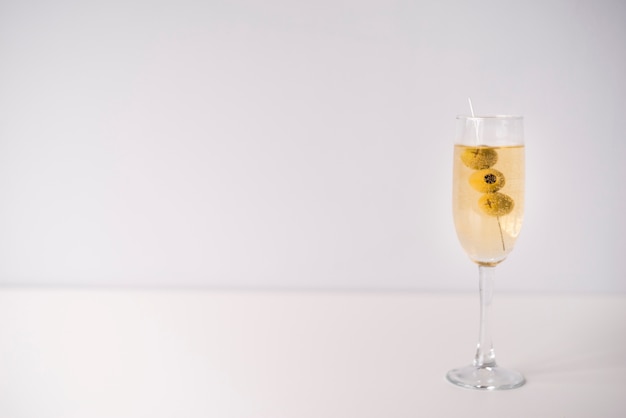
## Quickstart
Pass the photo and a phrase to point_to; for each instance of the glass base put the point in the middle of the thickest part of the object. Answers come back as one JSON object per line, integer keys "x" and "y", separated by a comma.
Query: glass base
{"x": 486, "y": 378}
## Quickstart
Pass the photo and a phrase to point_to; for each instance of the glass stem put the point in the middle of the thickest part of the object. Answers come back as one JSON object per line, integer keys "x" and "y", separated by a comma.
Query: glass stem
{"x": 485, "y": 355}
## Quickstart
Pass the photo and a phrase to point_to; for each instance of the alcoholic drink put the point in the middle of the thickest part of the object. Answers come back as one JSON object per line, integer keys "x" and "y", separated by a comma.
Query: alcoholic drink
{"x": 488, "y": 207}
{"x": 488, "y": 200}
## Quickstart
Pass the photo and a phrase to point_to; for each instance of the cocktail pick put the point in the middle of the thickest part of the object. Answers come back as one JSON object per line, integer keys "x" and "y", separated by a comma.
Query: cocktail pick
{"x": 469, "y": 100}
{"x": 474, "y": 121}
{"x": 471, "y": 107}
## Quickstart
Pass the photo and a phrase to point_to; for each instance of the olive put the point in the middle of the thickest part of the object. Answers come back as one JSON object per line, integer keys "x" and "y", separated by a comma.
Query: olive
{"x": 496, "y": 204}
{"x": 479, "y": 158}
{"x": 487, "y": 180}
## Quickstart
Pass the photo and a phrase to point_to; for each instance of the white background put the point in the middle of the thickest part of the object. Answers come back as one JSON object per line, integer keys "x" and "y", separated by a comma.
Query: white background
{"x": 307, "y": 144}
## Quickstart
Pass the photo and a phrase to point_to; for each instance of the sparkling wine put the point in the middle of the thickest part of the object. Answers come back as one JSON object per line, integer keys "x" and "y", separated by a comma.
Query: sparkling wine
{"x": 488, "y": 200}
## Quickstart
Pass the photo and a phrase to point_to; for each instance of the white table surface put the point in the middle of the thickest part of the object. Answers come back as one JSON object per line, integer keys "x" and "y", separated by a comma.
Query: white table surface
{"x": 183, "y": 353}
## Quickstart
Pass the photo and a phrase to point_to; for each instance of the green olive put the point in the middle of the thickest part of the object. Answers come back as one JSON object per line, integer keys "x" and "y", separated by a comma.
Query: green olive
{"x": 496, "y": 204}
{"x": 487, "y": 180}
{"x": 479, "y": 158}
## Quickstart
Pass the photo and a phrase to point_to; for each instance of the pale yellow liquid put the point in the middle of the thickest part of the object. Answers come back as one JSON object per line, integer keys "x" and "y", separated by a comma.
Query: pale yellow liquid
{"x": 485, "y": 238}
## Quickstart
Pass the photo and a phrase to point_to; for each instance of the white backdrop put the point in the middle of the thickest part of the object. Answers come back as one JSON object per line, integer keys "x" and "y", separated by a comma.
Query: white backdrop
{"x": 307, "y": 144}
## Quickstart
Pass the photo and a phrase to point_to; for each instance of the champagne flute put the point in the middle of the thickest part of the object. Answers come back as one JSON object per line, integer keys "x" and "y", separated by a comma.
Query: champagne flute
{"x": 488, "y": 208}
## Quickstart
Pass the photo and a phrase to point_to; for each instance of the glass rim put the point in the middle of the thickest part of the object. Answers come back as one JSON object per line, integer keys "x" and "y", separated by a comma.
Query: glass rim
{"x": 491, "y": 117}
